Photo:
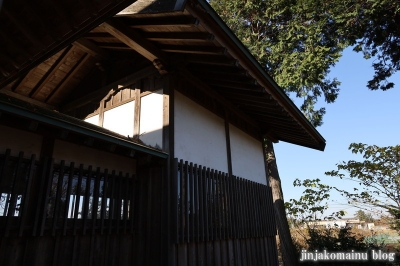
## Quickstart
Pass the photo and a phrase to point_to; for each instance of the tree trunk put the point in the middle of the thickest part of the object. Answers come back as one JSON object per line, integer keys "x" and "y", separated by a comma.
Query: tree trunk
{"x": 288, "y": 251}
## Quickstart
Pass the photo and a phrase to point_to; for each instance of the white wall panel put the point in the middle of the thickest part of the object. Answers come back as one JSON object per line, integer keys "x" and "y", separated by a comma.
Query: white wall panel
{"x": 93, "y": 120}
{"x": 199, "y": 135}
{"x": 247, "y": 156}
{"x": 120, "y": 119}
{"x": 151, "y": 119}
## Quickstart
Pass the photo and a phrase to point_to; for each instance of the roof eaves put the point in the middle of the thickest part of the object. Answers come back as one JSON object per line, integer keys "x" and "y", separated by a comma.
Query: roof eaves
{"x": 278, "y": 92}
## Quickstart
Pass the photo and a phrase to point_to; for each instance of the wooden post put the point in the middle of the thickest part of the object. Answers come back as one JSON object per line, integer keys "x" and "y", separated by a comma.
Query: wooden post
{"x": 169, "y": 85}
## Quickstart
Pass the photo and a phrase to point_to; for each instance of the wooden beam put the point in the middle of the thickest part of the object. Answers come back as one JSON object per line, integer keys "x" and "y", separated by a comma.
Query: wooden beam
{"x": 136, "y": 119}
{"x": 27, "y": 99}
{"x": 67, "y": 78}
{"x": 237, "y": 50}
{"x": 211, "y": 93}
{"x": 178, "y": 36}
{"x": 133, "y": 39}
{"x": 255, "y": 96}
{"x": 98, "y": 35}
{"x": 271, "y": 136}
{"x": 91, "y": 48}
{"x": 244, "y": 79}
{"x": 191, "y": 49}
{"x": 100, "y": 93}
{"x": 20, "y": 83}
{"x": 263, "y": 113}
{"x": 49, "y": 74}
{"x": 233, "y": 84}
{"x": 210, "y": 67}
{"x": 261, "y": 107}
{"x": 213, "y": 60}
{"x": 181, "y": 21}
{"x": 114, "y": 45}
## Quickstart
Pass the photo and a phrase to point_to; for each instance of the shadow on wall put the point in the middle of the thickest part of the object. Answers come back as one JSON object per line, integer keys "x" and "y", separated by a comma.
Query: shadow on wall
{"x": 152, "y": 138}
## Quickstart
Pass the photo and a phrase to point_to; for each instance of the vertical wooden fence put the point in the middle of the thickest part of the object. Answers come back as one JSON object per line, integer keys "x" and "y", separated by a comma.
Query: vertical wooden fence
{"x": 59, "y": 214}
{"x": 222, "y": 219}
{"x": 72, "y": 200}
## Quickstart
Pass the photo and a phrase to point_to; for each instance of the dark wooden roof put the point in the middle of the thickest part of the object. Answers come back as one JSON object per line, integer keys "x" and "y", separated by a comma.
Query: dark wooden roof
{"x": 50, "y": 53}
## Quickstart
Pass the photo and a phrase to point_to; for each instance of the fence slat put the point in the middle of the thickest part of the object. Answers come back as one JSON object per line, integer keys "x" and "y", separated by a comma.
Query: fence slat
{"x": 68, "y": 196}
{"x": 25, "y": 197}
{"x": 112, "y": 203}
{"x": 60, "y": 181}
{"x": 215, "y": 206}
{"x": 95, "y": 201}
{"x": 207, "y": 203}
{"x": 211, "y": 204}
{"x": 78, "y": 198}
{"x": 86, "y": 204}
{"x": 196, "y": 202}
{"x": 187, "y": 189}
{"x": 49, "y": 178}
{"x": 201, "y": 193}
{"x": 119, "y": 201}
{"x": 191, "y": 201}
{"x": 182, "y": 202}
{"x": 126, "y": 198}
{"x": 134, "y": 199}
{"x": 104, "y": 201}
{"x": 175, "y": 200}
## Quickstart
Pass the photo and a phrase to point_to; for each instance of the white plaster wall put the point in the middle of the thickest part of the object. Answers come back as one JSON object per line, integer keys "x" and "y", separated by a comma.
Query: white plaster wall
{"x": 247, "y": 156}
{"x": 120, "y": 119}
{"x": 151, "y": 119}
{"x": 93, "y": 120}
{"x": 199, "y": 135}
{"x": 18, "y": 140}
{"x": 88, "y": 156}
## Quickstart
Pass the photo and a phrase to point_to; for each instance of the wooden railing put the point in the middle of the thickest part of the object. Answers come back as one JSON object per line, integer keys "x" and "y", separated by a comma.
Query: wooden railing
{"x": 210, "y": 205}
{"x": 67, "y": 199}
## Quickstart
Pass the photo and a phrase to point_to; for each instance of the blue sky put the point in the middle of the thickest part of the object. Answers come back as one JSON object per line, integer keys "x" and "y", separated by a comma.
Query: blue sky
{"x": 358, "y": 115}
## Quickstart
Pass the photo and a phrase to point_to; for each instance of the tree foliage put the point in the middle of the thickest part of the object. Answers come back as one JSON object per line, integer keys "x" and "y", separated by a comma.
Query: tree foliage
{"x": 364, "y": 216}
{"x": 377, "y": 177}
{"x": 299, "y": 40}
{"x": 312, "y": 204}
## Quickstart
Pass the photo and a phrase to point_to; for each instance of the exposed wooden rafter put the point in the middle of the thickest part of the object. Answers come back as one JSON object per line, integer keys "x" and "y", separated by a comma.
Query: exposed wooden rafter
{"x": 91, "y": 48}
{"x": 191, "y": 49}
{"x": 65, "y": 80}
{"x": 178, "y": 21}
{"x": 96, "y": 35}
{"x": 233, "y": 84}
{"x": 133, "y": 39}
{"x": 210, "y": 92}
{"x": 178, "y": 36}
{"x": 49, "y": 74}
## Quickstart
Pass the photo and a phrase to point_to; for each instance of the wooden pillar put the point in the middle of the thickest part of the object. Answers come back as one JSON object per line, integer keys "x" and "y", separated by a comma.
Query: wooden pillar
{"x": 228, "y": 143}
{"x": 136, "y": 123}
{"x": 170, "y": 83}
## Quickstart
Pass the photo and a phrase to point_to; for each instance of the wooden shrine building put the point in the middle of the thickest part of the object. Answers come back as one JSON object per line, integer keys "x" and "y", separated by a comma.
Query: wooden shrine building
{"x": 131, "y": 134}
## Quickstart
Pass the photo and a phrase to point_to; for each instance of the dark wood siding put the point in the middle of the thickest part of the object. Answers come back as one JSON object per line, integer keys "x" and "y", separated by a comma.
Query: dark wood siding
{"x": 78, "y": 216}
{"x": 221, "y": 219}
